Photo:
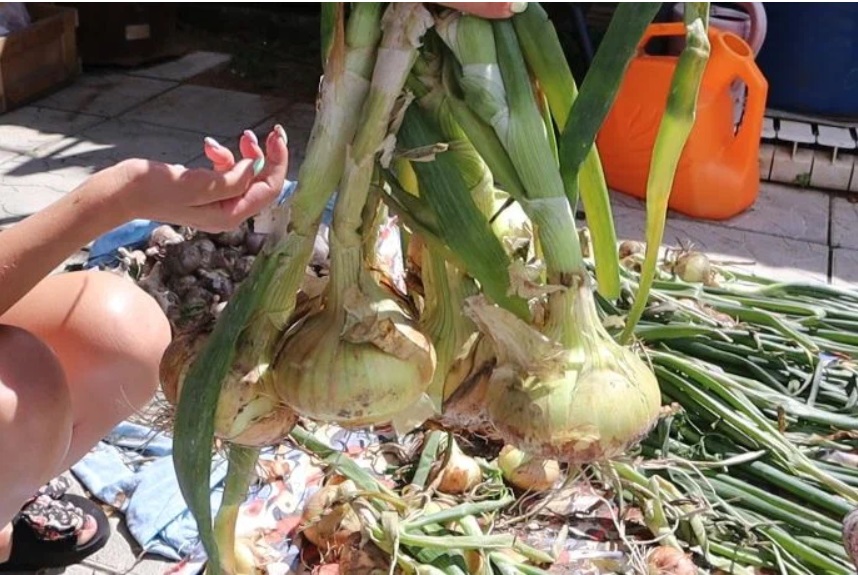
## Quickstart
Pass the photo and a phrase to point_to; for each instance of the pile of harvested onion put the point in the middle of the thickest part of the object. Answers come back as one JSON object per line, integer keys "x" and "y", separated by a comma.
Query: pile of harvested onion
{"x": 464, "y": 129}
{"x": 192, "y": 274}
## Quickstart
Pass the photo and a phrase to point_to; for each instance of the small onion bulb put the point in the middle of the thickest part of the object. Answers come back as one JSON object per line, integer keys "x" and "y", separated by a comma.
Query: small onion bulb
{"x": 665, "y": 560}
{"x": 693, "y": 267}
{"x": 527, "y": 473}
{"x": 461, "y": 473}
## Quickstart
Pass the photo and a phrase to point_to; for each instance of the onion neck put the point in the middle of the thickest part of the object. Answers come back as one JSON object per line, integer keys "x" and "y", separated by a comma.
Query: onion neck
{"x": 346, "y": 266}
{"x": 443, "y": 320}
{"x": 573, "y": 320}
{"x": 558, "y": 239}
{"x": 554, "y": 226}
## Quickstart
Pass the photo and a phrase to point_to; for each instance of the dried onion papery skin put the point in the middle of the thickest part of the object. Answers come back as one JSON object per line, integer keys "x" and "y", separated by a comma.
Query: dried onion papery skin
{"x": 460, "y": 474}
{"x": 328, "y": 520}
{"x": 664, "y": 560}
{"x": 850, "y": 536}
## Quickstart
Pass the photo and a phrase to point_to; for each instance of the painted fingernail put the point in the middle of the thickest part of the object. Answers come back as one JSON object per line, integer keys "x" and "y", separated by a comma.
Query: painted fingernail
{"x": 258, "y": 164}
{"x": 282, "y": 133}
{"x": 252, "y": 136}
{"x": 212, "y": 142}
{"x": 517, "y": 7}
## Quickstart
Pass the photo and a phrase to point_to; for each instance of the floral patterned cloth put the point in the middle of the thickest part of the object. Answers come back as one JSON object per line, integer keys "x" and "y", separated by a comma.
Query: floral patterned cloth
{"x": 269, "y": 519}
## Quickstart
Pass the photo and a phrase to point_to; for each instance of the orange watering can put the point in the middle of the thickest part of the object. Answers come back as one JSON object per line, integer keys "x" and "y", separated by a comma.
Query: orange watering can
{"x": 718, "y": 175}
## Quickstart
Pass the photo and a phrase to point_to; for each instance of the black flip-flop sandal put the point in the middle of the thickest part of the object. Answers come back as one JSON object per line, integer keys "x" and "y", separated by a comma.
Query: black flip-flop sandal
{"x": 44, "y": 533}
{"x": 55, "y": 488}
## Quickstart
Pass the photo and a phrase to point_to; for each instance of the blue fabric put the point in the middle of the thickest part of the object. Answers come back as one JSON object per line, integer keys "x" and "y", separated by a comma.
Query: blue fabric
{"x": 132, "y": 470}
{"x": 135, "y": 234}
{"x": 327, "y": 214}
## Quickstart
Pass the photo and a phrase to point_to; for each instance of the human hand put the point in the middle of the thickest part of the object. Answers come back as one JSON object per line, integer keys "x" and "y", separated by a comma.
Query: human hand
{"x": 213, "y": 200}
{"x": 491, "y": 10}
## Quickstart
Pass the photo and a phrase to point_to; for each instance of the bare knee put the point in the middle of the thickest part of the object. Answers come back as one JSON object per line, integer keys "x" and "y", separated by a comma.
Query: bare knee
{"x": 138, "y": 330}
{"x": 109, "y": 334}
{"x": 35, "y": 411}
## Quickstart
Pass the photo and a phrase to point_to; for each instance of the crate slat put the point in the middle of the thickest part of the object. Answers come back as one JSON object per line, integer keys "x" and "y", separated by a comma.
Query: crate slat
{"x": 40, "y": 58}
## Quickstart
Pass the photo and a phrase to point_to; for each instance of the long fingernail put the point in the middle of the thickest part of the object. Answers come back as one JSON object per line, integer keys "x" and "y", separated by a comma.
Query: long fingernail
{"x": 212, "y": 142}
{"x": 518, "y": 7}
{"x": 282, "y": 133}
{"x": 258, "y": 164}
{"x": 252, "y": 136}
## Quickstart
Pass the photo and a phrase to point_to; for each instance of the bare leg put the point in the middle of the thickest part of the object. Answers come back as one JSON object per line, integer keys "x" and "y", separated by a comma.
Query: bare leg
{"x": 35, "y": 417}
{"x": 78, "y": 354}
{"x": 109, "y": 337}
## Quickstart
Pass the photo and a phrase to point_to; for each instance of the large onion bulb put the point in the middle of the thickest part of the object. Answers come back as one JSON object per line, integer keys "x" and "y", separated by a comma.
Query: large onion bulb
{"x": 582, "y": 402}
{"x": 360, "y": 361}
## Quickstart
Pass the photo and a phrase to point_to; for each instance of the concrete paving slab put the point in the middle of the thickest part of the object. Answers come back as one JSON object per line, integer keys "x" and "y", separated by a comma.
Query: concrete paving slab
{"x": 211, "y": 111}
{"x": 844, "y": 223}
{"x": 119, "y": 555}
{"x": 844, "y": 267}
{"x": 788, "y": 212}
{"x": 105, "y": 94}
{"x": 119, "y": 139}
{"x": 624, "y": 200}
{"x": 184, "y": 67}
{"x": 771, "y": 255}
{"x": 767, "y": 154}
{"x": 29, "y": 184}
{"x": 780, "y": 210}
{"x": 79, "y": 570}
{"x": 832, "y": 172}
{"x": 25, "y": 130}
{"x": 792, "y": 166}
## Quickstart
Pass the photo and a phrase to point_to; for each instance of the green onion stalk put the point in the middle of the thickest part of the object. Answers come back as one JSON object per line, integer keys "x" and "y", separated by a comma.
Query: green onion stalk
{"x": 239, "y": 350}
{"x": 363, "y": 360}
{"x": 446, "y": 289}
{"x": 739, "y": 418}
{"x": 675, "y": 127}
{"x": 240, "y": 475}
{"x": 459, "y": 190}
{"x": 544, "y": 55}
{"x": 556, "y": 390}
{"x": 508, "y": 222}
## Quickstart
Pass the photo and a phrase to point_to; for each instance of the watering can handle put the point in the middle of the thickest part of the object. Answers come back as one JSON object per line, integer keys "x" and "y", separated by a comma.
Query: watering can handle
{"x": 661, "y": 29}
{"x": 759, "y": 24}
{"x": 747, "y": 70}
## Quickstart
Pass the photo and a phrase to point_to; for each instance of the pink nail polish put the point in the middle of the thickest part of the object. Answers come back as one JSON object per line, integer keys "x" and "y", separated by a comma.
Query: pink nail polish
{"x": 212, "y": 142}
{"x": 282, "y": 133}
{"x": 252, "y": 136}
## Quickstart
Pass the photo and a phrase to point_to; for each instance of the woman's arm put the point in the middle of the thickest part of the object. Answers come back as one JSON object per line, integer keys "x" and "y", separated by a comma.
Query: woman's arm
{"x": 205, "y": 199}
{"x": 35, "y": 246}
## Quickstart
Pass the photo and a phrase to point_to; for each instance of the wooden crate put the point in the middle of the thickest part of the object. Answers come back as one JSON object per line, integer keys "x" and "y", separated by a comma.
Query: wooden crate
{"x": 127, "y": 34}
{"x": 40, "y": 58}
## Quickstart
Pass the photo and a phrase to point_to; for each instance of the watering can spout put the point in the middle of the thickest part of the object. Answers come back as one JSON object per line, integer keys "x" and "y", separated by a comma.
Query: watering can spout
{"x": 747, "y": 21}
